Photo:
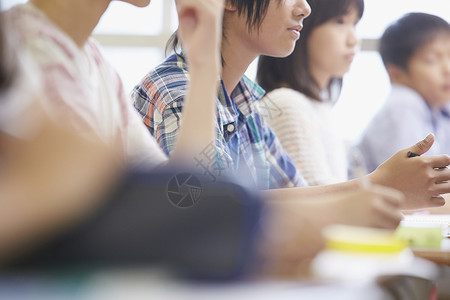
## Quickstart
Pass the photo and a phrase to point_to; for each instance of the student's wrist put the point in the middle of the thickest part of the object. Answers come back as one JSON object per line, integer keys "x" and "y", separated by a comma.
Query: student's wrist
{"x": 375, "y": 177}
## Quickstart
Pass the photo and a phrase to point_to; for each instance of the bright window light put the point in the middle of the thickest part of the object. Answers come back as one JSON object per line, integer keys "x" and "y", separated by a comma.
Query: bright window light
{"x": 124, "y": 18}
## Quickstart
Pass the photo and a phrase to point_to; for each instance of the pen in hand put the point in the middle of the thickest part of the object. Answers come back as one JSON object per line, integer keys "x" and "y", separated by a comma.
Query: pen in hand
{"x": 412, "y": 154}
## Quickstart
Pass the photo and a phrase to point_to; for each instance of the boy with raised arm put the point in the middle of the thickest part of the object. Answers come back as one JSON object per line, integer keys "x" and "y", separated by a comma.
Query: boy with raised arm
{"x": 247, "y": 145}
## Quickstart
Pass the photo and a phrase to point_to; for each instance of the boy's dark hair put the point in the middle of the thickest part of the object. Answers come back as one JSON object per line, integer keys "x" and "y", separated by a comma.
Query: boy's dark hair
{"x": 293, "y": 71}
{"x": 404, "y": 37}
{"x": 254, "y": 10}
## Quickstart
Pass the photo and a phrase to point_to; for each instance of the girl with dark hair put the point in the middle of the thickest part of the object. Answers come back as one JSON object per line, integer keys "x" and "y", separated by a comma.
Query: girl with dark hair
{"x": 305, "y": 85}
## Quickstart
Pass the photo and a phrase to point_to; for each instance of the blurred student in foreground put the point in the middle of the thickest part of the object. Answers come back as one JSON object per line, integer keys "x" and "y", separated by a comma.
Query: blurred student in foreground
{"x": 65, "y": 201}
{"x": 416, "y": 53}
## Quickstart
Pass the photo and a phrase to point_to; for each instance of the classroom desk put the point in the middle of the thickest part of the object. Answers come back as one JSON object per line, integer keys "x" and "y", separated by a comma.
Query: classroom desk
{"x": 436, "y": 256}
{"x": 150, "y": 283}
{"x": 147, "y": 284}
{"x": 439, "y": 256}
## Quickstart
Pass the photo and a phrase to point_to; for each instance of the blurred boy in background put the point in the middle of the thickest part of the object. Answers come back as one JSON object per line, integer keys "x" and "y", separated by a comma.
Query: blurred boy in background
{"x": 416, "y": 53}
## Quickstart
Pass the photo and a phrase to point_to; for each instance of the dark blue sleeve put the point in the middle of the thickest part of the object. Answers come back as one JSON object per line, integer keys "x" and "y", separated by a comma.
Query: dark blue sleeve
{"x": 176, "y": 219}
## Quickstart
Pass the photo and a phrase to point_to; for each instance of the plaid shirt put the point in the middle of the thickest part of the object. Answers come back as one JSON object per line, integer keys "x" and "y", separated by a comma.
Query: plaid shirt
{"x": 245, "y": 145}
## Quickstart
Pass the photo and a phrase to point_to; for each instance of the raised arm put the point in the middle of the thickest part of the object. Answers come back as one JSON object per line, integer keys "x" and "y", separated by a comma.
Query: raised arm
{"x": 200, "y": 31}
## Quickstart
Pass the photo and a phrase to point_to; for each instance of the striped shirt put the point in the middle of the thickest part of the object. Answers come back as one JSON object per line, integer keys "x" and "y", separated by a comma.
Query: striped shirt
{"x": 306, "y": 131}
{"x": 245, "y": 145}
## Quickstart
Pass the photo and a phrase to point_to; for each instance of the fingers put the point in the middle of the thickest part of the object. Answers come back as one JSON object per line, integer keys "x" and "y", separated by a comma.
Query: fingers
{"x": 441, "y": 175}
{"x": 440, "y": 189}
{"x": 438, "y": 161}
{"x": 202, "y": 7}
{"x": 385, "y": 206}
{"x": 388, "y": 216}
{"x": 200, "y": 29}
{"x": 188, "y": 19}
{"x": 437, "y": 201}
{"x": 423, "y": 146}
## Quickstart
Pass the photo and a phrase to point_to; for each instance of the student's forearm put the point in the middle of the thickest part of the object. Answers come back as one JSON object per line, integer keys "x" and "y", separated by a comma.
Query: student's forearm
{"x": 197, "y": 129}
{"x": 24, "y": 223}
{"x": 315, "y": 191}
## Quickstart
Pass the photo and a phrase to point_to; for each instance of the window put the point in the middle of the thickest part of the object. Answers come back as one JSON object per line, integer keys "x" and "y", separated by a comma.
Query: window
{"x": 134, "y": 38}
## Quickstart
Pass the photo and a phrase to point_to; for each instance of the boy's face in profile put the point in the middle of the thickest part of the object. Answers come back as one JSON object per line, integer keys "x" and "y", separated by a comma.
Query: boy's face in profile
{"x": 429, "y": 70}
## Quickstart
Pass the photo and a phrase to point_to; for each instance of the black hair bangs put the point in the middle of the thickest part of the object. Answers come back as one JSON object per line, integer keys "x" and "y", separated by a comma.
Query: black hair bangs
{"x": 327, "y": 10}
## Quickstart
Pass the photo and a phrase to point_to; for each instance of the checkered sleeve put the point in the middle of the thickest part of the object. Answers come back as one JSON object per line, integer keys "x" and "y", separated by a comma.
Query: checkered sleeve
{"x": 283, "y": 172}
{"x": 159, "y": 99}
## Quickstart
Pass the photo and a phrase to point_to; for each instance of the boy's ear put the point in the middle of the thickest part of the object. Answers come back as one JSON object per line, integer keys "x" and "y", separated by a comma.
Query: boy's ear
{"x": 230, "y": 6}
{"x": 397, "y": 74}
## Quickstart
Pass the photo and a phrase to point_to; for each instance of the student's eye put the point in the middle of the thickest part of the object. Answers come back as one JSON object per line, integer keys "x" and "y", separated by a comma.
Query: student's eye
{"x": 340, "y": 21}
{"x": 430, "y": 59}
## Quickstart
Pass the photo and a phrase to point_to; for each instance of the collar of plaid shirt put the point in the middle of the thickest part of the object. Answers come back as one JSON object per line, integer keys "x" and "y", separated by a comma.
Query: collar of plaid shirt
{"x": 245, "y": 94}
{"x": 236, "y": 112}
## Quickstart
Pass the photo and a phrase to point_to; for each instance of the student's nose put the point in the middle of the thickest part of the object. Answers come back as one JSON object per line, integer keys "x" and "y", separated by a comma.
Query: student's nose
{"x": 446, "y": 65}
{"x": 302, "y": 9}
{"x": 352, "y": 37}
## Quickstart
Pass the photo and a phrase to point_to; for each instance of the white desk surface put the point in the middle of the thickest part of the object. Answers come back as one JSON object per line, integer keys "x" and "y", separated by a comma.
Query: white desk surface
{"x": 136, "y": 285}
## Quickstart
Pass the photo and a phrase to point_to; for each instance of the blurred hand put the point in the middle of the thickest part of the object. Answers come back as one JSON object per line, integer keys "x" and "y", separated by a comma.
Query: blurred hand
{"x": 373, "y": 206}
{"x": 422, "y": 179}
{"x": 290, "y": 238}
{"x": 200, "y": 30}
{"x": 292, "y": 230}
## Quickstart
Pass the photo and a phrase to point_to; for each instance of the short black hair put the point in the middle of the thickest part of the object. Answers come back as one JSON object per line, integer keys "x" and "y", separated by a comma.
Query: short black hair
{"x": 293, "y": 70}
{"x": 254, "y": 10}
{"x": 405, "y": 36}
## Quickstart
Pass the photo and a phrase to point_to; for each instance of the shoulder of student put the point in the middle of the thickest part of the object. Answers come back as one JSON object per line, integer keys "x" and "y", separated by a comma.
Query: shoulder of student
{"x": 290, "y": 100}
{"x": 166, "y": 85}
{"x": 402, "y": 102}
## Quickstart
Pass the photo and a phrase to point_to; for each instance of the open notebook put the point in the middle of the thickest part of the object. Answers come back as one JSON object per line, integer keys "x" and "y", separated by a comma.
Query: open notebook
{"x": 428, "y": 220}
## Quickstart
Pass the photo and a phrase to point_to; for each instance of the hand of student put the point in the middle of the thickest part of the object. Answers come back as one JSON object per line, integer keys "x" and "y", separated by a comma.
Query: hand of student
{"x": 292, "y": 230}
{"x": 422, "y": 179}
{"x": 374, "y": 206}
{"x": 290, "y": 239}
{"x": 200, "y": 30}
